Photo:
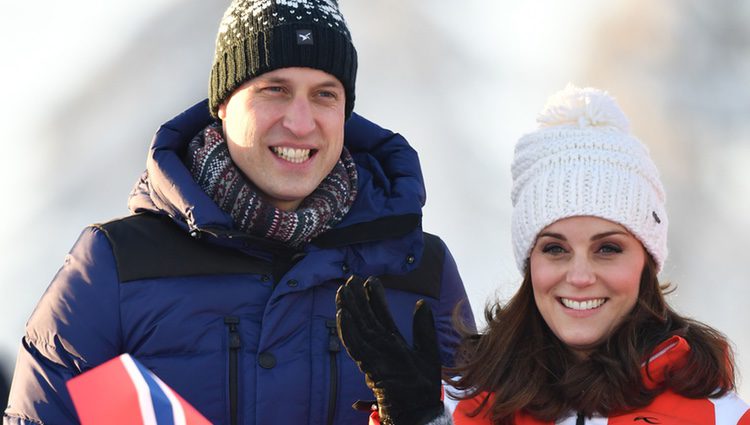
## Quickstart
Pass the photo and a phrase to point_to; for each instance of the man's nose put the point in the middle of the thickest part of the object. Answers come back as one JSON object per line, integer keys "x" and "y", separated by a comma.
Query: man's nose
{"x": 299, "y": 118}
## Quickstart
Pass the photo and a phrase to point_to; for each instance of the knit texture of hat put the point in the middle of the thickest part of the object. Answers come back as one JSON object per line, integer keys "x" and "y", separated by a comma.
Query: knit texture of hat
{"x": 257, "y": 36}
{"x": 582, "y": 161}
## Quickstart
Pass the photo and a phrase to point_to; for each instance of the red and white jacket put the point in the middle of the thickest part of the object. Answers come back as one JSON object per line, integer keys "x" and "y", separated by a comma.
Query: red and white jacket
{"x": 667, "y": 408}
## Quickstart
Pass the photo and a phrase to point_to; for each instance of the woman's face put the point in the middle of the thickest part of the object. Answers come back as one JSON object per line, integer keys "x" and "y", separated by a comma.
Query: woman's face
{"x": 585, "y": 274}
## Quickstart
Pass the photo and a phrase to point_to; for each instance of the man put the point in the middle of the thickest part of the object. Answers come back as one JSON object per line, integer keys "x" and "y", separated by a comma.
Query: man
{"x": 255, "y": 206}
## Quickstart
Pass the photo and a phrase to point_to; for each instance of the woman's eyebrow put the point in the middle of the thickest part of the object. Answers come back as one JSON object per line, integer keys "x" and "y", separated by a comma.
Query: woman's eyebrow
{"x": 605, "y": 234}
{"x": 552, "y": 235}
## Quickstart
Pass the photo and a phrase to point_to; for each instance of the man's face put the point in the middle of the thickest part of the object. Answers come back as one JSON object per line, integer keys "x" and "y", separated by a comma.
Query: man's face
{"x": 285, "y": 131}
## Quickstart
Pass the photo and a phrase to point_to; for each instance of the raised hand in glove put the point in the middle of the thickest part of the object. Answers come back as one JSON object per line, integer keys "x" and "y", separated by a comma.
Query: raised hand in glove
{"x": 405, "y": 380}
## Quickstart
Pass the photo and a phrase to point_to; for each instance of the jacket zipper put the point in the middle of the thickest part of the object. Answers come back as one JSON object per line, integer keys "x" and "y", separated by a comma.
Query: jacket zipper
{"x": 334, "y": 346}
{"x": 232, "y": 323}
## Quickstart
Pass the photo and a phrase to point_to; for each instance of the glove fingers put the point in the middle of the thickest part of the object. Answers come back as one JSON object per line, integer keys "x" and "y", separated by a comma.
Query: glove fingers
{"x": 344, "y": 299}
{"x": 425, "y": 335}
{"x": 356, "y": 345}
{"x": 354, "y": 298}
{"x": 379, "y": 305}
{"x": 374, "y": 359}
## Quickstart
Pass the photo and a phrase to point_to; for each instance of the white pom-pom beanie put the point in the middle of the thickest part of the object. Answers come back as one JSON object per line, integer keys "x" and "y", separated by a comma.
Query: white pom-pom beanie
{"x": 582, "y": 161}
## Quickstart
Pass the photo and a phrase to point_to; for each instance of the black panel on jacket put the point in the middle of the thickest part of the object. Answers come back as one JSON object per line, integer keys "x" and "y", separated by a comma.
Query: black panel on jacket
{"x": 425, "y": 279}
{"x": 371, "y": 231}
{"x": 148, "y": 246}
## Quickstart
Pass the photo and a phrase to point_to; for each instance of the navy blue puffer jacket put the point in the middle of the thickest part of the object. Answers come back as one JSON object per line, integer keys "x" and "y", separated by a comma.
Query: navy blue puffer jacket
{"x": 241, "y": 327}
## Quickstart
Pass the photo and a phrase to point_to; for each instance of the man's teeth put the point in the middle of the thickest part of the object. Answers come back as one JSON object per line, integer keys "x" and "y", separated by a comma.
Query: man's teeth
{"x": 291, "y": 154}
{"x": 582, "y": 305}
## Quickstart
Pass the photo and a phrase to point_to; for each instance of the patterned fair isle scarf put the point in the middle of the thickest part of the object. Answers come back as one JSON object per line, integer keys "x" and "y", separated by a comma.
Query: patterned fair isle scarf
{"x": 213, "y": 169}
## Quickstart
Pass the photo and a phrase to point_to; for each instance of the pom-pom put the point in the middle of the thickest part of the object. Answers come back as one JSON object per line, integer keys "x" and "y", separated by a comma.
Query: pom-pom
{"x": 583, "y": 107}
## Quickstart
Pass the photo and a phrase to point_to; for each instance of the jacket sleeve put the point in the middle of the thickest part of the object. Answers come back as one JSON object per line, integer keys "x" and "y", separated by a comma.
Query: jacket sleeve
{"x": 74, "y": 327}
{"x": 452, "y": 293}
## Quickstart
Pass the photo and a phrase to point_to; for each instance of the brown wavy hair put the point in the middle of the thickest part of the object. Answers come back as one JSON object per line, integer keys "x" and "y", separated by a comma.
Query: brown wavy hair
{"x": 527, "y": 368}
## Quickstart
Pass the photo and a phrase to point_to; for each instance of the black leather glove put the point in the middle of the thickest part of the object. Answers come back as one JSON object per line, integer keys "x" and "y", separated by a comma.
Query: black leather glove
{"x": 406, "y": 381}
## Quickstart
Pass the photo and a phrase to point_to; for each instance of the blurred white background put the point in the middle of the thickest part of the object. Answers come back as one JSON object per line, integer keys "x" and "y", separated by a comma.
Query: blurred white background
{"x": 85, "y": 83}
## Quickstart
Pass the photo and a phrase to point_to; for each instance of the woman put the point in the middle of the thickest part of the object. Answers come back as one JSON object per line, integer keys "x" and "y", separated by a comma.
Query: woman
{"x": 588, "y": 338}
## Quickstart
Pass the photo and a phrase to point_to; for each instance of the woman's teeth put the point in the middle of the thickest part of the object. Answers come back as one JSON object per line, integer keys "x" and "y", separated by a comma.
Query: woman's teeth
{"x": 290, "y": 154}
{"x": 582, "y": 305}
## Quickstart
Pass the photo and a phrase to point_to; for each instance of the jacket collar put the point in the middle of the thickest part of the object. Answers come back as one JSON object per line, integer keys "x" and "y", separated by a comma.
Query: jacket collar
{"x": 669, "y": 355}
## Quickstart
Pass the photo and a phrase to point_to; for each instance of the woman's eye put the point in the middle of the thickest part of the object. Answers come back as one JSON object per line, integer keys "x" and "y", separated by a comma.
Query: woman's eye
{"x": 553, "y": 249}
{"x": 610, "y": 249}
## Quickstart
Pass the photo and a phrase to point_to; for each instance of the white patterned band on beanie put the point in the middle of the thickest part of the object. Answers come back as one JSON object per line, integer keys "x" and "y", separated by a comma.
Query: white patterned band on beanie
{"x": 582, "y": 161}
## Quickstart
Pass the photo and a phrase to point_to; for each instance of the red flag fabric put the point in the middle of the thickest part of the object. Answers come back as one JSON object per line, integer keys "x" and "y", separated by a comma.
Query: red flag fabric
{"x": 121, "y": 391}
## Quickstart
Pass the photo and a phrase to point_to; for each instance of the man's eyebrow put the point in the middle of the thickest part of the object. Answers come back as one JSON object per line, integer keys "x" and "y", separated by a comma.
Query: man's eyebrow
{"x": 330, "y": 83}
{"x": 273, "y": 80}
{"x": 333, "y": 82}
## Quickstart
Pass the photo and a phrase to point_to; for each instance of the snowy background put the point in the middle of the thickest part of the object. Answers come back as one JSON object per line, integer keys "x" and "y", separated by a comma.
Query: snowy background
{"x": 85, "y": 83}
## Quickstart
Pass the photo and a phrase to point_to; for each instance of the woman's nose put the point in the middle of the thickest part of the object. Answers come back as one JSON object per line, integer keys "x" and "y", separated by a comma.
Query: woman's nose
{"x": 581, "y": 272}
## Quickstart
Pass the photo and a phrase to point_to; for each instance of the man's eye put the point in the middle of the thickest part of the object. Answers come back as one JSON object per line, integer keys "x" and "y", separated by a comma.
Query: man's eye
{"x": 327, "y": 94}
{"x": 273, "y": 89}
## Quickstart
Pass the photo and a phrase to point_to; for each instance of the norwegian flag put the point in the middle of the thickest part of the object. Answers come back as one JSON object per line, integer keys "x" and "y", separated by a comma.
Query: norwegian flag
{"x": 122, "y": 391}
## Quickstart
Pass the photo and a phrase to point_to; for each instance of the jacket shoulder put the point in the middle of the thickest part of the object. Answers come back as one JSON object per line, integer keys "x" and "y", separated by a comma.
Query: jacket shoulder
{"x": 148, "y": 245}
{"x": 731, "y": 409}
{"x": 427, "y": 278}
